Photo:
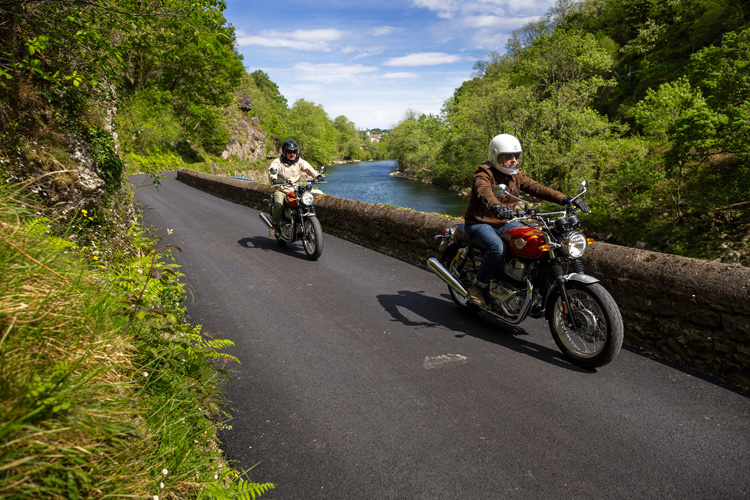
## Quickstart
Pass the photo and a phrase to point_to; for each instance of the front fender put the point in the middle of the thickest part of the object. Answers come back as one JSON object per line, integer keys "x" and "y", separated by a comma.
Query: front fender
{"x": 552, "y": 291}
{"x": 581, "y": 278}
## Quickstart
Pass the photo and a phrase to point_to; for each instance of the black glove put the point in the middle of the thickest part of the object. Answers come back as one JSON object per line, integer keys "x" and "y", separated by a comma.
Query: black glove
{"x": 578, "y": 203}
{"x": 502, "y": 211}
{"x": 320, "y": 178}
{"x": 278, "y": 182}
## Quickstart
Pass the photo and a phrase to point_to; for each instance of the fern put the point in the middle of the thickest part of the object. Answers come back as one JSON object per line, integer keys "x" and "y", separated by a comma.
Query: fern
{"x": 237, "y": 490}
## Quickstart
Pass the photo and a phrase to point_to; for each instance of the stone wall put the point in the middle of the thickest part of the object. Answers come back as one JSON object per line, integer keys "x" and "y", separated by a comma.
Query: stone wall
{"x": 689, "y": 311}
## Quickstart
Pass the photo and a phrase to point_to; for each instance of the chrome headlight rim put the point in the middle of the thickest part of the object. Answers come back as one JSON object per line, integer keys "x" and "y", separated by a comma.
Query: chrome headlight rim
{"x": 307, "y": 199}
{"x": 575, "y": 244}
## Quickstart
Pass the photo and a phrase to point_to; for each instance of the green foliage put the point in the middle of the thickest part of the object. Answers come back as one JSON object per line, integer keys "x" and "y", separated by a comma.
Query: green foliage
{"x": 268, "y": 105}
{"x": 313, "y": 131}
{"x": 153, "y": 163}
{"x": 348, "y": 140}
{"x": 108, "y": 164}
{"x": 415, "y": 143}
{"x": 105, "y": 390}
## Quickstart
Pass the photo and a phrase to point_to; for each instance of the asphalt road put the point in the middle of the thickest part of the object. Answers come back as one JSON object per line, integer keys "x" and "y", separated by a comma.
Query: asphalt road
{"x": 360, "y": 380}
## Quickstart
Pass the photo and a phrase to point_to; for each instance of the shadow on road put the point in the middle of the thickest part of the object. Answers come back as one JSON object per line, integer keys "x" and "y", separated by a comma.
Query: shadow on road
{"x": 441, "y": 313}
{"x": 267, "y": 243}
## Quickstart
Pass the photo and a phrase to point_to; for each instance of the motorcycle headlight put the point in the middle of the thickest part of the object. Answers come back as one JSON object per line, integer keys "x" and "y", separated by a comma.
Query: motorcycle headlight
{"x": 307, "y": 199}
{"x": 575, "y": 244}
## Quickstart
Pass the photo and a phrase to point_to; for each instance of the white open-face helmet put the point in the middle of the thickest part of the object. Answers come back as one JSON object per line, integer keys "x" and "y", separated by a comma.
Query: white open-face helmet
{"x": 505, "y": 144}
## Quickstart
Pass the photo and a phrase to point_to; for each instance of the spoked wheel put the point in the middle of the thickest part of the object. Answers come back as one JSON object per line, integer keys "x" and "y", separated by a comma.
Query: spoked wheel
{"x": 598, "y": 338}
{"x": 465, "y": 276}
{"x": 313, "y": 240}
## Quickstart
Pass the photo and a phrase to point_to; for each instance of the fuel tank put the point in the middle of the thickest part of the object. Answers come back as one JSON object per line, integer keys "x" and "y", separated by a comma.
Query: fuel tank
{"x": 524, "y": 242}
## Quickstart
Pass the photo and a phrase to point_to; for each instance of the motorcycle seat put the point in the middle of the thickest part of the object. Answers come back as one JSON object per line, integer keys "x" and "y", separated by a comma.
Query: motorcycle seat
{"x": 460, "y": 233}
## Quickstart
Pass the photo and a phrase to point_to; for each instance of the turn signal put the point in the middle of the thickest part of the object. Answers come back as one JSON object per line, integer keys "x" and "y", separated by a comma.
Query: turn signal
{"x": 589, "y": 240}
{"x": 544, "y": 248}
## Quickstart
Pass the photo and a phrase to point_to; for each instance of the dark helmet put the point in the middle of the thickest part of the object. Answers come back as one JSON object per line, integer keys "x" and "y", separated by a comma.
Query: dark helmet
{"x": 289, "y": 145}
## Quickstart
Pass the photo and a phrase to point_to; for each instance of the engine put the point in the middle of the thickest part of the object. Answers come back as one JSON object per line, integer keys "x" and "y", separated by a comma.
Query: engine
{"x": 515, "y": 269}
{"x": 509, "y": 292}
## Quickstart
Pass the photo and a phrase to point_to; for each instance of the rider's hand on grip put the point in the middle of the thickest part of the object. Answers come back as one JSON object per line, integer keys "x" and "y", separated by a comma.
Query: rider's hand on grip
{"x": 578, "y": 203}
{"x": 278, "y": 182}
{"x": 502, "y": 211}
{"x": 581, "y": 205}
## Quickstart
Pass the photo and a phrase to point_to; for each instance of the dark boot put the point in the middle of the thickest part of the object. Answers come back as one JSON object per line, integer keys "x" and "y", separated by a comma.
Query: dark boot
{"x": 476, "y": 295}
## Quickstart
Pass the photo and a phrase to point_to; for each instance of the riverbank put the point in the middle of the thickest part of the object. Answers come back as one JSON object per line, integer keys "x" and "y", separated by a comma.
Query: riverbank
{"x": 465, "y": 192}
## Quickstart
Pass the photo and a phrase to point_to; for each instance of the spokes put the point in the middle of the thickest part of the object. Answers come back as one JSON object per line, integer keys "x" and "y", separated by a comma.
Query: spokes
{"x": 590, "y": 336}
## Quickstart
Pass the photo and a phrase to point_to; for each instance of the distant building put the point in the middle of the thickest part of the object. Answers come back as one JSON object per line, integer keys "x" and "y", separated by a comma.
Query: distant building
{"x": 375, "y": 136}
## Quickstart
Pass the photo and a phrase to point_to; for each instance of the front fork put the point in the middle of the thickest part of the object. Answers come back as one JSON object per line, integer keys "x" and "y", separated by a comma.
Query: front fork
{"x": 561, "y": 282}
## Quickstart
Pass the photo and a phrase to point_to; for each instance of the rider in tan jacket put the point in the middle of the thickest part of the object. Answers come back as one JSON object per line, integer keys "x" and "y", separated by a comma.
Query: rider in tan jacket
{"x": 288, "y": 167}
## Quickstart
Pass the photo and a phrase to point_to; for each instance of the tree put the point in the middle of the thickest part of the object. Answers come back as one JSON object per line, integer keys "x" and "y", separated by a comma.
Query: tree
{"x": 311, "y": 128}
{"x": 348, "y": 142}
{"x": 416, "y": 142}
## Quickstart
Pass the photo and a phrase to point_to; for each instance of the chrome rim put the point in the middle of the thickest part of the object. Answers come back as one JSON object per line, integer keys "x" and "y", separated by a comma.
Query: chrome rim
{"x": 589, "y": 339}
{"x": 309, "y": 241}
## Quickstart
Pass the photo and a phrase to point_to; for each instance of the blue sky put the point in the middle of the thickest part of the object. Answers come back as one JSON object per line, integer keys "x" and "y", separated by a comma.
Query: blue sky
{"x": 374, "y": 61}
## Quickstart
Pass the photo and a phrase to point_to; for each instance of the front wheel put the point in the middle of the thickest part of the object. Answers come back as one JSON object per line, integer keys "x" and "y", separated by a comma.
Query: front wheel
{"x": 313, "y": 240}
{"x": 598, "y": 338}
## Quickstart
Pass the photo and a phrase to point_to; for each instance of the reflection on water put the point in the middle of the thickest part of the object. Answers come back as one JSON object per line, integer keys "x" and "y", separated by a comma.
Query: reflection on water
{"x": 370, "y": 181}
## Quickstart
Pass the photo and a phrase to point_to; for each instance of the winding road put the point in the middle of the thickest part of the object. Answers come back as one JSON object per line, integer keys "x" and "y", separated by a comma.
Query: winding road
{"x": 359, "y": 379}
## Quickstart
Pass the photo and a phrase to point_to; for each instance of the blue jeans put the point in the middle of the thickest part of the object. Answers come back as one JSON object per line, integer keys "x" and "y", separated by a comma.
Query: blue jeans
{"x": 487, "y": 238}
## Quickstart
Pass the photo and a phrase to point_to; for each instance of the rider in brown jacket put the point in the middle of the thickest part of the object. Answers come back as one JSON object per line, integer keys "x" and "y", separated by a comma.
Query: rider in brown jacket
{"x": 487, "y": 216}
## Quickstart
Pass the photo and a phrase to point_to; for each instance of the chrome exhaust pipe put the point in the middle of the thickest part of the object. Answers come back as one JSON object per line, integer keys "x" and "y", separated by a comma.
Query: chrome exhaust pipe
{"x": 436, "y": 267}
{"x": 266, "y": 219}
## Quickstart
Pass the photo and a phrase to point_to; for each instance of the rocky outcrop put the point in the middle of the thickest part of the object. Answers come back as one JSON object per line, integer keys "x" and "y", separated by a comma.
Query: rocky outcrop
{"x": 248, "y": 141}
{"x": 248, "y": 138}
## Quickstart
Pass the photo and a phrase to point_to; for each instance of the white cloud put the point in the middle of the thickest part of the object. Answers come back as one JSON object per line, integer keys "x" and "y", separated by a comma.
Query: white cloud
{"x": 494, "y": 22}
{"x": 425, "y": 59}
{"x": 382, "y": 30}
{"x": 449, "y": 9}
{"x": 403, "y": 75}
{"x": 332, "y": 72}
{"x": 318, "y": 39}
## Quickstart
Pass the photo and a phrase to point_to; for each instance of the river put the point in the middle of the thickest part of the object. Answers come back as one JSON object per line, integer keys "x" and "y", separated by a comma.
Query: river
{"x": 371, "y": 181}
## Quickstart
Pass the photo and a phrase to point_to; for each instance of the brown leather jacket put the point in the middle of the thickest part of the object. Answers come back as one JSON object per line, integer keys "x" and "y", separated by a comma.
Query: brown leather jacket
{"x": 483, "y": 197}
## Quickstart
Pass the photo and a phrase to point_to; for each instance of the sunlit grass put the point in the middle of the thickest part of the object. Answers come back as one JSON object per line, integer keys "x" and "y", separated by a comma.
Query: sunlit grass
{"x": 104, "y": 390}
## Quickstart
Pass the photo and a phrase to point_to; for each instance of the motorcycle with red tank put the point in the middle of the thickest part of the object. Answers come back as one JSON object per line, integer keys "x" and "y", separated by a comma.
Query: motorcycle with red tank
{"x": 541, "y": 276}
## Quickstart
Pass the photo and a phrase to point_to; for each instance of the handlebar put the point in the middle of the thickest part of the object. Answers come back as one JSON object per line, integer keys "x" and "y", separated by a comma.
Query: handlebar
{"x": 279, "y": 182}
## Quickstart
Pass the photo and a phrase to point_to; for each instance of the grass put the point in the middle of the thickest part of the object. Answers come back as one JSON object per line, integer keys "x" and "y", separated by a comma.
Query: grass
{"x": 105, "y": 390}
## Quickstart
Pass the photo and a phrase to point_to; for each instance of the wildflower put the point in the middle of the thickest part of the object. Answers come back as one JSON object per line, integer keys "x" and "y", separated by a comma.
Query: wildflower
{"x": 216, "y": 476}
{"x": 165, "y": 472}
{"x": 145, "y": 374}
{"x": 161, "y": 485}
{"x": 156, "y": 497}
{"x": 84, "y": 211}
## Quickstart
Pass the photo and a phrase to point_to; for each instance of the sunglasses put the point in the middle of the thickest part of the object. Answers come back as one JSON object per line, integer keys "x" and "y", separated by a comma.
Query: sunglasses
{"x": 511, "y": 155}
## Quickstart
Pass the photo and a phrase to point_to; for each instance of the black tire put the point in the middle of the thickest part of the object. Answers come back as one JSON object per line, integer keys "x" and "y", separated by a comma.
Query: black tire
{"x": 465, "y": 276}
{"x": 313, "y": 240}
{"x": 599, "y": 339}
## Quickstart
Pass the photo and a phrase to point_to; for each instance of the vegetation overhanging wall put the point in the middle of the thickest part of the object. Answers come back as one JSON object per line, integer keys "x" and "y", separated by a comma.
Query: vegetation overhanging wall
{"x": 693, "y": 312}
